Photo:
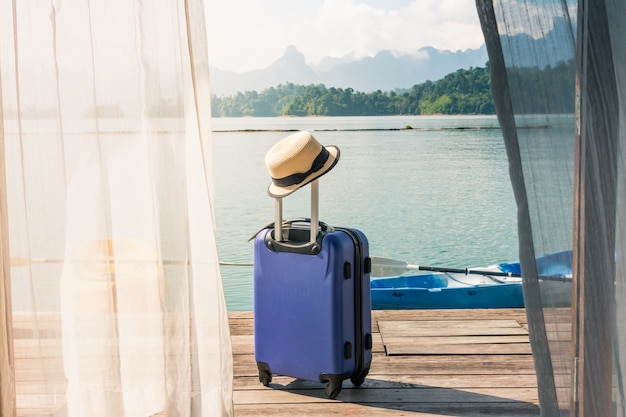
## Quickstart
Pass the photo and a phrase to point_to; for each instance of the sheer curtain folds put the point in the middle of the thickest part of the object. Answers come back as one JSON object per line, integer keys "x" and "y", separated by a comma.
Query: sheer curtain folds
{"x": 117, "y": 307}
{"x": 558, "y": 70}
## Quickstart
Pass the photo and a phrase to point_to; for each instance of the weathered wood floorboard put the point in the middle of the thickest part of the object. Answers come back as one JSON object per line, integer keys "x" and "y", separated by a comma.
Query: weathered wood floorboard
{"x": 461, "y": 363}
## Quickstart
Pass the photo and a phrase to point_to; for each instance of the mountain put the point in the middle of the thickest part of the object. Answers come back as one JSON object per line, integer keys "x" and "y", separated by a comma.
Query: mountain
{"x": 388, "y": 71}
{"x": 385, "y": 71}
{"x": 557, "y": 41}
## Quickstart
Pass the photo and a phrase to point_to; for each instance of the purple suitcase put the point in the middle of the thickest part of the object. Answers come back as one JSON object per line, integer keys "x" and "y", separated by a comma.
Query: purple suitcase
{"x": 312, "y": 305}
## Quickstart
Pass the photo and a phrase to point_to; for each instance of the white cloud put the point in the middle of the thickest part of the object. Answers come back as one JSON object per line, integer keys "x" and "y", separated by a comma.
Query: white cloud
{"x": 250, "y": 34}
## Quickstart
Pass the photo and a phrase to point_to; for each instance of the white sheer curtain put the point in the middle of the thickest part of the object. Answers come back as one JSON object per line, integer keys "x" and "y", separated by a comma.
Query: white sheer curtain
{"x": 562, "y": 62}
{"x": 114, "y": 303}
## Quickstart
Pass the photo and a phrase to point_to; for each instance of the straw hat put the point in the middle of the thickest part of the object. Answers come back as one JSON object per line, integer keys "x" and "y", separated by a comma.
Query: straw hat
{"x": 297, "y": 160}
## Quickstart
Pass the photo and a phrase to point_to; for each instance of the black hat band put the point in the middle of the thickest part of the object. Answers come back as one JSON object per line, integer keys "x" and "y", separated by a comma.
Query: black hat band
{"x": 297, "y": 178}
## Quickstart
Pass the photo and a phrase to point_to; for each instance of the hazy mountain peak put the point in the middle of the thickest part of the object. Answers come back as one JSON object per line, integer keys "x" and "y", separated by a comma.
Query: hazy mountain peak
{"x": 291, "y": 62}
{"x": 328, "y": 62}
{"x": 292, "y": 52}
{"x": 387, "y": 70}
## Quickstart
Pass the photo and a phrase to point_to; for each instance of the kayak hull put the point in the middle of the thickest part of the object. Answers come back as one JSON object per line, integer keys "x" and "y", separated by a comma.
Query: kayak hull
{"x": 397, "y": 293}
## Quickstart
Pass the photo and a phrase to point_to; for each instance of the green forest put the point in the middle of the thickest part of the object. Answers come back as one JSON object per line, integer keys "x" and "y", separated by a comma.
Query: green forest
{"x": 466, "y": 91}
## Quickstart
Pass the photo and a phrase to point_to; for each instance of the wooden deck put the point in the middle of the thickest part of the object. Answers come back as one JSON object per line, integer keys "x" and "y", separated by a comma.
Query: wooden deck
{"x": 426, "y": 363}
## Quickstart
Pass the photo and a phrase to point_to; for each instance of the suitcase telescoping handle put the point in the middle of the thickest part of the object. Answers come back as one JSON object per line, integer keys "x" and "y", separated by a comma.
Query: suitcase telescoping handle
{"x": 278, "y": 214}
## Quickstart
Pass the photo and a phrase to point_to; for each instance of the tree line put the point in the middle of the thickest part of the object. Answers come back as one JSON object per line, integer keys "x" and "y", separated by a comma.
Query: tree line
{"x": 466, "y": 91}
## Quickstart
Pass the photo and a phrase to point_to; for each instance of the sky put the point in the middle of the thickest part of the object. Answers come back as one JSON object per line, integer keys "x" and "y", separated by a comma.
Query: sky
{"x": 249, "y": 34}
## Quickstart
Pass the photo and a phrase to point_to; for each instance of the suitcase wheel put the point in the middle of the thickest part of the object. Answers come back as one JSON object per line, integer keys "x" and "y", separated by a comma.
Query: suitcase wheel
{"x": 265, "y": 378}
{"x": 333, "y": 389}
{"x": 333, "y": 386}
{"x": 265, "y": 374}
{"x": 358, "y": 380}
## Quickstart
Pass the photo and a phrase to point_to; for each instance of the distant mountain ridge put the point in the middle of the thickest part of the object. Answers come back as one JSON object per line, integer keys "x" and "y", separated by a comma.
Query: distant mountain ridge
{"x": 386, "y": 71}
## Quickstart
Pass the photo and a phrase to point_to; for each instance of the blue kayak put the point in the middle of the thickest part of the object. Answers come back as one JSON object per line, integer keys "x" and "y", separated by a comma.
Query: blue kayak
{"x": 444, "y": 290}
{"x": 461, "y": 289}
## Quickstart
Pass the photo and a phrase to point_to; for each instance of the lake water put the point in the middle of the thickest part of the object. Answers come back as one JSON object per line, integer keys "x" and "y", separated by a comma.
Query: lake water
{"x": 438, "y": 194}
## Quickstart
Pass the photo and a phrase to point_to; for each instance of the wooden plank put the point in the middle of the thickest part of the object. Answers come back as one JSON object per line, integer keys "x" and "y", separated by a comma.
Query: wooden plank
{"x": 41, "y": 401}
{"x": 377, "y": 344}
{"x": 43, "y": 386}
{"x": 245, "y": 365}
{"x": 242, "y": 344}
{"x": 457, "y": 340}
{"x": 430, "y": 395}
{"x": 408, "y": 348}
{"x": 402, "y": 381}
{"x": 240, "y": 324}
{"x": 387, "y": 409}
{"x": 453, "y": 345}
{"x": 518, "y": 314}
{"x": 449, "y": 364}
{"x": 40, "y": 412}
{"x": 244, "y": 321}
{"x": 450, "y": 328}
{"x": 392, "y": 330}
{"x": 451, "y": 324}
